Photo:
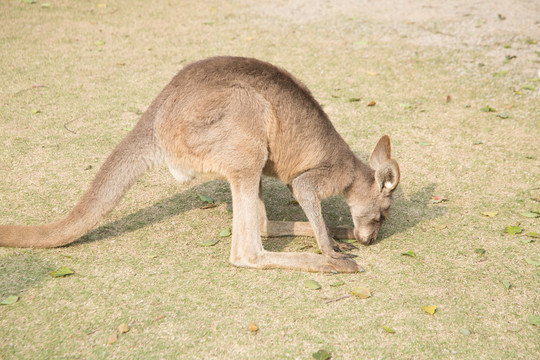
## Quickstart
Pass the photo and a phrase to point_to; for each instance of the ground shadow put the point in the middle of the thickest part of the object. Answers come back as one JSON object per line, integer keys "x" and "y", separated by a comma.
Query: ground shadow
{"x": 405, "y": 212}
{"x": 20, "y": 271}
{"x": 185, "y": 201}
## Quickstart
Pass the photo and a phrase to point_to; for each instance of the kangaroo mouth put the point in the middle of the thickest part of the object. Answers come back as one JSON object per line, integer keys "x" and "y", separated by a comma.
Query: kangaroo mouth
{"x": 363, "y": 239}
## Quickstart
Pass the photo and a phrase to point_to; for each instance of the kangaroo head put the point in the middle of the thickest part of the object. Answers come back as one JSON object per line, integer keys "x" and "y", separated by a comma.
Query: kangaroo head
{"x": 370, "y": 195}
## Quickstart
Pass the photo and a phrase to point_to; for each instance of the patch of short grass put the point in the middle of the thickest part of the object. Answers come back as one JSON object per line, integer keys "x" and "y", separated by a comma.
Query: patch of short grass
{"x": 143, "y": 265}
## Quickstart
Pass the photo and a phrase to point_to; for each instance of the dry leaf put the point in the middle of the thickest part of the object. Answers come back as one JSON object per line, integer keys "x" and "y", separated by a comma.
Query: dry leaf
{"x": 253, "y": 328}
{"x": 209, "y": 206}
{"x": 112, "y": 339}
{"x": 362, "y": 293}
{"x": 372, "y": 103}
{"x": 490, "y": 213}
{"x": 430, "y": 309}
{"x": 513, "y": 229}
{"x": 123, "y": 328}
{"x": 389, "y": 330}
{"x": 438, "y": 199}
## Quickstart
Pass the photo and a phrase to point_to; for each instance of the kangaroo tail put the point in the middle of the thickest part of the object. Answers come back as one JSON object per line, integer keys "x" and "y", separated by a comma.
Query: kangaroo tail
{"x": 129, "y": 160}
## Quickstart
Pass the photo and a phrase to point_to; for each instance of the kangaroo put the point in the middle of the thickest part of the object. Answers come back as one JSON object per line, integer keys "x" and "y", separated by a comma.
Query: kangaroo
{"x": 241, "y": 118}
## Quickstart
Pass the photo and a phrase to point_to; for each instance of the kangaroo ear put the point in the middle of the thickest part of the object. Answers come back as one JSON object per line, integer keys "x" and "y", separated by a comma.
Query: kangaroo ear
{"x": 381, "y": 153}
{"x": 387, "y": 175}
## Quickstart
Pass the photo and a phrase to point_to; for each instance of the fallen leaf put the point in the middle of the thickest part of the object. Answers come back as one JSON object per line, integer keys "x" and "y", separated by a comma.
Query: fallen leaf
{"x": 534, "y": 320}
{"x": 225, "y": 232}
{"x": 533, "y": 234}
{"x": 389, "y": 330}
{"x": 465, "y": 331}
{"x": 480, "y": 251}
{"x": 322, "y": 355}
{"x": 206, "y": 199}
{"x": 101, "y": 5}
{"x": 112, "y": 339}
{"x": 490, "y": 213}
{"x": 477, "y": 142}
{"x": 123, "y": 328}
{"x": 488, "y": 109}
{"x": 440, "y": 227}
{"x": 506, "y": 284}
{"x": 372, "y": 103}
{"x": 530, "y": 214}
{"x": 407, "y": 106}
{"x": 503, "y": 115}
{"x": 430, "y": 309}
{"x": 159, "y": 318}
{"x": 10, "y": 300}
{"x": 513, "y": 229}
{"x": 448, "y": 98}
{"x": 532, "y": 262}
{"x": 293, "y": 202}
{"x": 61, "y": 272}
{"x": 409, "y": 253}
{"x": 338, "y": 283}
{"x": 354, "y": 99}
{"x": 423, "y": 143}
{"x": 312, "y": 285}
{"x": 209, "y": 242}
{"x": 208, "y": 206}
{"x": 362, "y": 293}
{"x": 253, "y": 328}
{"x": 529, "y": 87}
{"x": 46, "y": 5}
{"x": 438, "y": 199}
{"x": 36, "y": 111}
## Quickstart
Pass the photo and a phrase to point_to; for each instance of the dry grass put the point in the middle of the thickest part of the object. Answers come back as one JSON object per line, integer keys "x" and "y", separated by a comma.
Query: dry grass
{"x": 93, "y": 68}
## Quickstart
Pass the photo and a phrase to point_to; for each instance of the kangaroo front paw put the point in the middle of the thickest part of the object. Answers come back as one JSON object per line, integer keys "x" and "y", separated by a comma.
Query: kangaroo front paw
{"x": 343, "y": 246}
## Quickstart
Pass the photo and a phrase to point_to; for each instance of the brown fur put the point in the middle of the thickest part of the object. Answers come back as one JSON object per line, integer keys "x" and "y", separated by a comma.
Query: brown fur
{"x": 241, "y": 118}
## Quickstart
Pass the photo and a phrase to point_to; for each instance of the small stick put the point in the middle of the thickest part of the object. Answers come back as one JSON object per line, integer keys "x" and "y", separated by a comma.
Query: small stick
{"x": 37, "y": 86}
{"x": 69, "y": 122}
{"x": 337, "y": 299}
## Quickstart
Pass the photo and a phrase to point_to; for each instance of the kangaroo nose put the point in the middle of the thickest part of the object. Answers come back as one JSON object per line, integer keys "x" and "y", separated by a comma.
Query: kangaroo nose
{"x": 364, "y": 240}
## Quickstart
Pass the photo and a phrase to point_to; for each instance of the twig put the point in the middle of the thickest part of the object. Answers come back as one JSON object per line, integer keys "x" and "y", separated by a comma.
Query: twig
{"x": 37, "y": 86}
{"x": 337, "y": 299}
{"x": 69, "y": 122}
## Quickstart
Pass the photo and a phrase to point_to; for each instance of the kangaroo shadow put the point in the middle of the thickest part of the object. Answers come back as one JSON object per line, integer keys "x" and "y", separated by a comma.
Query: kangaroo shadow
{"x": 182, "y": 202}
{"x": 406, "y": 212}
{"x": 21, "y": 271}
